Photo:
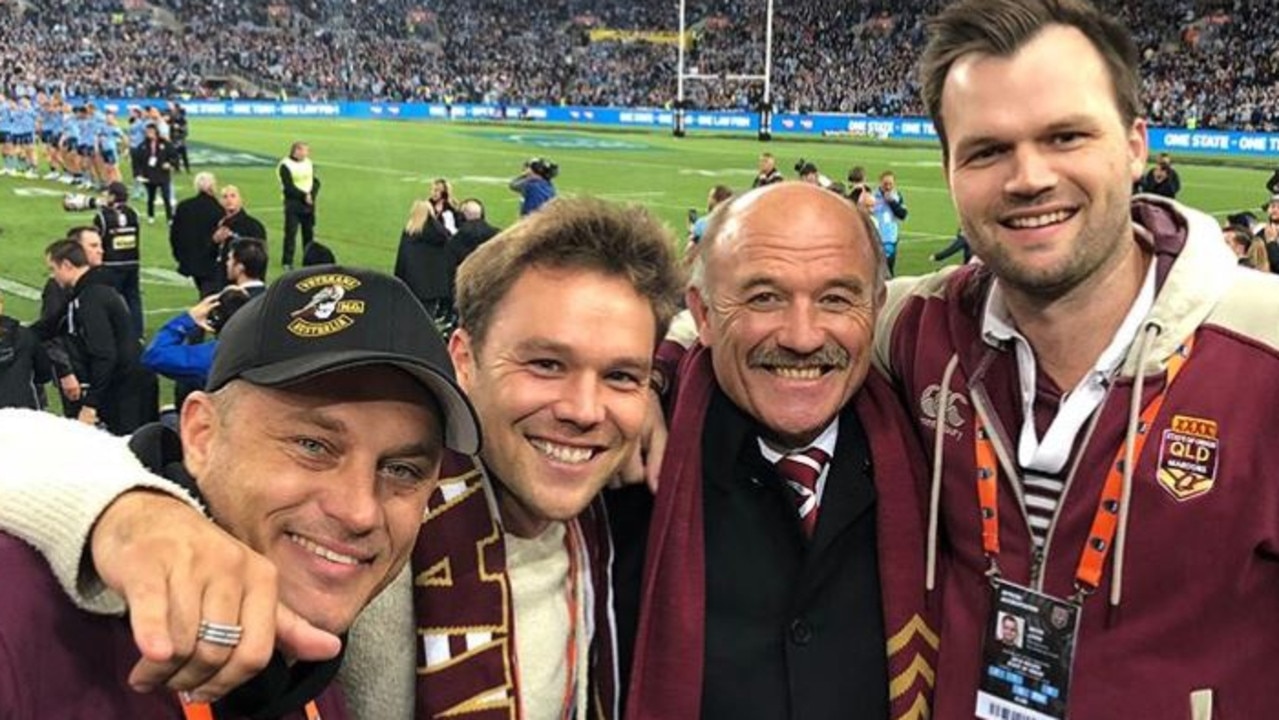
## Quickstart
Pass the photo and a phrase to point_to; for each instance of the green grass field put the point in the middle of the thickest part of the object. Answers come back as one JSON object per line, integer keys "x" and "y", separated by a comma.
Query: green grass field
{"x": 372, "y": 171}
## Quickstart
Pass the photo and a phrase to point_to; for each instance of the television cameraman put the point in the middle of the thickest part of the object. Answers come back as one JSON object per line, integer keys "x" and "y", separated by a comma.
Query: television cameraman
{"x": 535, "y": 184}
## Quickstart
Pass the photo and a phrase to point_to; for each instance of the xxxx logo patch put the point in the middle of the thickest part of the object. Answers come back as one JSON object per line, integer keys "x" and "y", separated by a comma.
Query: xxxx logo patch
{"x": 1188, "y": 457}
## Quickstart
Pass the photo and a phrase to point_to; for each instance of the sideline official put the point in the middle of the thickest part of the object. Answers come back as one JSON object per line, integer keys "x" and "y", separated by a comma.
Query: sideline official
{"x": 300, "y": 187}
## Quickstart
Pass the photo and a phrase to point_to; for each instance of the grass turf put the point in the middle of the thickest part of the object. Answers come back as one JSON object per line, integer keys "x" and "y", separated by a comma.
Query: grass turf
{"x": 372, "y": 171}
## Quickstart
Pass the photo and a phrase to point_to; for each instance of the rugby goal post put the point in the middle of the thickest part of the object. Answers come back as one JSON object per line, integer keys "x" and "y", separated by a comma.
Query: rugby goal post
{"x": 765, "y": 107}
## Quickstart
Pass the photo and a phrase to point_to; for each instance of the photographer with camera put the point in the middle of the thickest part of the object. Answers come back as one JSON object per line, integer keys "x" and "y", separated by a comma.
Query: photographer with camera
{"x": 808, "y": 173}
{"x": 171, "y": 352}
{"x": 534, "y": 184}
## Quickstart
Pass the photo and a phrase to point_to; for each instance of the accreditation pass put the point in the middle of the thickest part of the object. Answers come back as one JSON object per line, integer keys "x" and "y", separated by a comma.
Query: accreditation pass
{"x": 1027, "y": 655}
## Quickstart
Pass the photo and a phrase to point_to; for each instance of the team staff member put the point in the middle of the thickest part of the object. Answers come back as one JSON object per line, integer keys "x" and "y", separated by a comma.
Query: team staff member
{"x": 301, "y": 187}
{"x": 1107, "y": 368}
{"x": 319, "y": 454}
{"x": 156, "y": 156}
{"x": 191, "y": 235}
{"x": 121, "y": 233}
{"x": 117, "y": 391}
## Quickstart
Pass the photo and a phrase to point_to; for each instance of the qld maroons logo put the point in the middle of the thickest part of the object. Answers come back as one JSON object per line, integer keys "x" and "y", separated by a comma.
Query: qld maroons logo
{"x": 1188, "y": 457}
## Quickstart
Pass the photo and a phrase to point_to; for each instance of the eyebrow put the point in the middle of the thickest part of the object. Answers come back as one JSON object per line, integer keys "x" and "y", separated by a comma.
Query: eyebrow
{"x": 536, "y": 345}
{"x": 851, "y": 284}
{"x": 324, "y": 421}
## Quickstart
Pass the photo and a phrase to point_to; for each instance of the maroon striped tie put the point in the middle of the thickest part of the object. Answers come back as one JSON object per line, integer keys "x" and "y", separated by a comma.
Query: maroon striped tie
{"x": 801, "y": 470}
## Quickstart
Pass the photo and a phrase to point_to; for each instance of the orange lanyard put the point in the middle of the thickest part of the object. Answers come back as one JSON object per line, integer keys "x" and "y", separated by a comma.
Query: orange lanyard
{"x": 573, "y": 544}
{"x": 1106, "y": 519}
{"x": 204, "y": 711}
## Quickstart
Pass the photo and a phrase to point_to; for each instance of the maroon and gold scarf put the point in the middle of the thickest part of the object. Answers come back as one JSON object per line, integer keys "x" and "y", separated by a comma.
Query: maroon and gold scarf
{"x": 466, "y": 664}
{"x": 666, "y": 677}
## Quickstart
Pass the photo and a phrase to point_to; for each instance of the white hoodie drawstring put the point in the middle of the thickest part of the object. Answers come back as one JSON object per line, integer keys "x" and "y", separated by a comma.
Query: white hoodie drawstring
{"x": 934, "y": 493}
{"x": 1148, "y": 338}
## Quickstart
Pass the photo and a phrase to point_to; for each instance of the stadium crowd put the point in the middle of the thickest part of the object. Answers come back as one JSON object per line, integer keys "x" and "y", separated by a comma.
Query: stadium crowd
{"x": 829, "y": 55}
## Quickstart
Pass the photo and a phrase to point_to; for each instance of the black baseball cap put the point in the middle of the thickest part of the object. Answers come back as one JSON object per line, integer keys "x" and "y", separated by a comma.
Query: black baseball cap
{"x": 324, "y": 318}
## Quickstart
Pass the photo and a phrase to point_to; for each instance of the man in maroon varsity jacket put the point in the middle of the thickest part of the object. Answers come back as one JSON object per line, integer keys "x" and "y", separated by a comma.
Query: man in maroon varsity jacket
{"x": 1122, "y": 370}
{"x": 316, "y": 443}
{"x": 507, "y": 609}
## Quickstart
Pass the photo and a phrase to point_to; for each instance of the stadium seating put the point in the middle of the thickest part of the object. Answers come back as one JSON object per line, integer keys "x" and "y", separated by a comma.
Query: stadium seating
{"x": 1202, "y": 66}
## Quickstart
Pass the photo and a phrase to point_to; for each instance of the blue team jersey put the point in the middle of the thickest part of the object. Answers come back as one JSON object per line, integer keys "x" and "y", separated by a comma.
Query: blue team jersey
{"x": 85, "y": 131}
{"x": 109, "y": 135}
{"x": 6, "y": 118}
{"x": 71, "y": 128}
{"x": 24, "y": 121}
{"x": 51, "y": 122}
{"x": 137, "y": 132}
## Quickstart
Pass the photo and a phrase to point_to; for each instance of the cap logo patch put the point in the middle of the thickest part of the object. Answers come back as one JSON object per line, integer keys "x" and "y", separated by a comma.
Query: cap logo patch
{"x": 328, "y": 311}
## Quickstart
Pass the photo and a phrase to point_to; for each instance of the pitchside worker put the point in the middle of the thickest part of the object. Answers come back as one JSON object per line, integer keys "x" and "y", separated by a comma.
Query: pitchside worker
{"x": 300, "y": 187}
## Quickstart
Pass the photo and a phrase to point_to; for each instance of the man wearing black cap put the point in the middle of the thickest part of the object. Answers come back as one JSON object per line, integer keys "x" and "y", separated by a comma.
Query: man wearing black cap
{"x": 121, "y": 233}
{"x": 559, "y": 318}
{"x": 316, "y": 443}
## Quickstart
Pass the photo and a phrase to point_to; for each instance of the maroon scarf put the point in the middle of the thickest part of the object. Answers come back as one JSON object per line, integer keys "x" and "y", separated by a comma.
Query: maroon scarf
{"x": 666, "y": 677}
{"x": 460, "y": 588}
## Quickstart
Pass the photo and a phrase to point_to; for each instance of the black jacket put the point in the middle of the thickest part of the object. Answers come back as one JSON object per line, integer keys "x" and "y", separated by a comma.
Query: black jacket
{"x": 121, "y": 233}
{"x": 470, "y": 235}
{"x": 191, "y": 235}
{"x": 103, "y": 335}
{"x": 155, "y": 160}
{"x": 427, "y": 262}
{"x": 23, "y": 365}
{"x": 794, "y": 627}
{"x": 241, "y": 225}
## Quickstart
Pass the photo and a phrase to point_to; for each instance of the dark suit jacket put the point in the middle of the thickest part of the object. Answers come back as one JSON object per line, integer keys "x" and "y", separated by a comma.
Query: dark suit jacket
{"x": 470, "y": 235}
{"x": 191, "y": 235}
{"x": 427, "y": 263}
{"x": 794, "y": 627}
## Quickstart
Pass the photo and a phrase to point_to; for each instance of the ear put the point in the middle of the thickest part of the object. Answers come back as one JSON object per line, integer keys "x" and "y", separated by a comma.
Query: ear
{"x": 701, "y": 315}
{"x": 462, "y": 351}
{"x": 199, "y": 426}
{"x": 1138, "y": 148}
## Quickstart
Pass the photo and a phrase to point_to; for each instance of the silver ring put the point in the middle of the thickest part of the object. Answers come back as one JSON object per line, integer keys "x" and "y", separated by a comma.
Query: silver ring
{"x": 219, "y": 634}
